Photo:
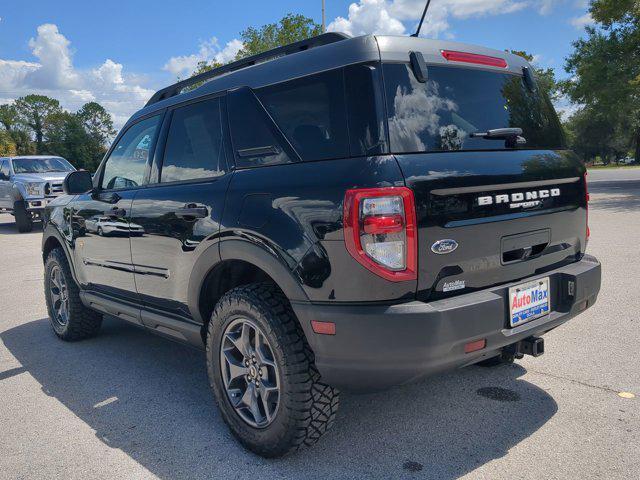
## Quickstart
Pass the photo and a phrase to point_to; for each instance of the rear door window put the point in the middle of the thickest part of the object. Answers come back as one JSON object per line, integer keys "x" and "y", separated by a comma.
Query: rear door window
{"x": 194, "y": 147}
{"x": 441, "y": 114}
{"x": 257, "y": 141}
{"x": 310, "y": 111}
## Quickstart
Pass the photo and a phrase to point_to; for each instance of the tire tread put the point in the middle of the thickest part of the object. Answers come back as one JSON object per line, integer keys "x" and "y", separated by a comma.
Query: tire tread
{"x": 314, "y": 404}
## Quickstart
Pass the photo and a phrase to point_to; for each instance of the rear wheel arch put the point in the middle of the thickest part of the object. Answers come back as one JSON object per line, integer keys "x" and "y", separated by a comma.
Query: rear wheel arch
{"x": 231, "y": 264}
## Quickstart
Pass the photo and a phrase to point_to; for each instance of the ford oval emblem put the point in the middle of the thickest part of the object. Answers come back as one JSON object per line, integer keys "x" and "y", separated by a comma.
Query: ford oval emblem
{"x": 442, "y": 247}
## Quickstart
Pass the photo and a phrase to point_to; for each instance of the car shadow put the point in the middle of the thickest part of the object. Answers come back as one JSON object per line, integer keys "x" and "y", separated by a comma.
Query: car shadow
{"x": 615, "y": 196}
{"x": 149, "y": 397}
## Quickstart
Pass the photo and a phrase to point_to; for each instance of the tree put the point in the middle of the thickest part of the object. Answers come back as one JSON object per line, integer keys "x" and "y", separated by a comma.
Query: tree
{"x": 291, "y": 28}
{"x": 33, "y": 112}
{"x": 605, "y": 70}
{"x": 8, "y": 116}
{"x": 15, "y": 133}
{"x": 202, "y": 67}
{"x": 545, "y": 77}
{"x": 7, "y": 145}
{"x": 97, "y": 122}
{"x": 592, "y": 135}
{"x": 98, "y": 126}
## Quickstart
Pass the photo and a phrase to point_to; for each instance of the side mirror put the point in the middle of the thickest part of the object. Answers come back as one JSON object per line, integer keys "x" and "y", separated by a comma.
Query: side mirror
{"x": 77, "y": 182}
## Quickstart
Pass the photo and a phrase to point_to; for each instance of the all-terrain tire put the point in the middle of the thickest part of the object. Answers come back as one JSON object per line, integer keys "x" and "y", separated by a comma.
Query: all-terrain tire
{"x": 307, "y": 407}
{"x": 82, "y": 322}
{"x": 22, "y": 216}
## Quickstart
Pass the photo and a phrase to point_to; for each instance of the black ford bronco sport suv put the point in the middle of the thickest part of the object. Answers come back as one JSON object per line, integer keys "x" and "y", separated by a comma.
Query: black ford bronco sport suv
{"x": 340, "y": 213}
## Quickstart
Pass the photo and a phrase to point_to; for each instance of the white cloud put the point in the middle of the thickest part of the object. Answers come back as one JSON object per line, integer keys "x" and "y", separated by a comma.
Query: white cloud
{"x": 207, "y": 52}
{"x": 54, "y": 74}
{"x": 55, "y": 70}
{"x": 582, "y": 21}
{"x": 368, "y": 16}
{"x": 398, "y": 17}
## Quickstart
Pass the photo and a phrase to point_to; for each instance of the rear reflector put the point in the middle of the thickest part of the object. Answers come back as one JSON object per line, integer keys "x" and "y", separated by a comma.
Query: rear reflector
{"x": 475, "y": 345}
{"x": 453, "y": 56}
{"x": 323, "y": 328}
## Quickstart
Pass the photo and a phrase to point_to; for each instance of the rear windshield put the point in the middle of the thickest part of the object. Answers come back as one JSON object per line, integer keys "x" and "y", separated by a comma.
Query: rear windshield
{"x": 440, "y": 115}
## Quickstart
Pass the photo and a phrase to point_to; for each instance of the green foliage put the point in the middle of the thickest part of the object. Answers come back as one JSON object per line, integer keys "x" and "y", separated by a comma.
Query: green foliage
{"x": 202, "y": 67}
{"x": 545, "y": 77}
{"x": 8, "y": 116}
{"x": 605, "y": 79}
{"x": 37, "y": 124}
{"x": 7, "y": 145}
{"x": 33, "y": 112}
{"x": 291, "y": 28}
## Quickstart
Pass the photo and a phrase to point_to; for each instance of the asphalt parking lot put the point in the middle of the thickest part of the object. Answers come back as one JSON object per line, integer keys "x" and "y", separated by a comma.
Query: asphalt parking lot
{"x": 131, "y": 405}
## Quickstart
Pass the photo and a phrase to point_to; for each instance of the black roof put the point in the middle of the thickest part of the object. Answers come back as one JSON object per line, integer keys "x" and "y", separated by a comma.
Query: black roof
{"x": 324, "y": 52}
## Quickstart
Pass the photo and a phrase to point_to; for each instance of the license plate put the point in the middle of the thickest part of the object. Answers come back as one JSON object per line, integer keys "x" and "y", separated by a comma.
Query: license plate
{"x": 528, "y": 301}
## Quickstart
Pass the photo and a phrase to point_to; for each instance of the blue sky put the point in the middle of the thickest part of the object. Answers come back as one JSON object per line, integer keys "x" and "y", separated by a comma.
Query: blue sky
{"x": 118, "y": 52}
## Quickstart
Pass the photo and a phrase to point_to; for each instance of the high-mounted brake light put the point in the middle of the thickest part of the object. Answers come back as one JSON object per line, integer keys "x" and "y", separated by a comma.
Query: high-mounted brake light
{"x": 465, "y": 57}
{"x": 380, "y": 231}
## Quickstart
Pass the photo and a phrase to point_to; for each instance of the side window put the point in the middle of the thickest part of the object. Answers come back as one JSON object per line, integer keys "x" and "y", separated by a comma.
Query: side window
{"x": 256, "y": 138}
{"x": 310, "y": 111}
{"x": 126, "y": 165}
{"x": 365, "y": 106}
{"x": 194, "y": 147}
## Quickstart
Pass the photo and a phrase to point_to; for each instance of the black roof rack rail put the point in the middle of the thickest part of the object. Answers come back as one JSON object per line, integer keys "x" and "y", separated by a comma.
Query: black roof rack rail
{"x": 318, "y": 41}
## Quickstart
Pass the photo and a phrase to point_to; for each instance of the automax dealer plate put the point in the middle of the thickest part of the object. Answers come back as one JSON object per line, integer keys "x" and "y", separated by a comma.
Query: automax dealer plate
{"x": 528, "y": 301}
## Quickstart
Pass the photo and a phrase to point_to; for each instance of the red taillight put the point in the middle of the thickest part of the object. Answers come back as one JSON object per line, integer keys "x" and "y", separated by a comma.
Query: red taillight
{"x": 383, "y": 224}
{"x": 586, "y": 197}
{"x": 453, "y": 56}
{"x": 380, "y": 231}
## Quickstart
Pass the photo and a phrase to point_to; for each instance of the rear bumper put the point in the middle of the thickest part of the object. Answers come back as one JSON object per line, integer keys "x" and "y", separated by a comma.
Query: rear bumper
{"x": 379, "y": 346}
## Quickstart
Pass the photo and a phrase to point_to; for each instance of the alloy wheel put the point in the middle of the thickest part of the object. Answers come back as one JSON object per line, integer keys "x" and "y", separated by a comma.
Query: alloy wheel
{"x": 249, "y": 373}
{"x": 59, "y": 295}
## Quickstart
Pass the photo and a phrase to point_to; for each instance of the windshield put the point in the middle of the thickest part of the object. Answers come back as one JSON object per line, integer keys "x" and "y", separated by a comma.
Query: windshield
{"x": 41, "y": 165}
{"x": 441, "y": 114}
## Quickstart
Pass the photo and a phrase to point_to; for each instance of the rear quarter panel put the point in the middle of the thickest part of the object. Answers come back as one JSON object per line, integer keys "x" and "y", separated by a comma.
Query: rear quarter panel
{"x": 295, "y": 210}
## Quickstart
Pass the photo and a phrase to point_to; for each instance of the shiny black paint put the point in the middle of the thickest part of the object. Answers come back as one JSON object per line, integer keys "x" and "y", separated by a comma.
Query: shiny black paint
{"x": 477, "y": 229}
{"x": 164, "y": 256}
{"x": 299, "y": 207}
{"x": 103, "y": 262}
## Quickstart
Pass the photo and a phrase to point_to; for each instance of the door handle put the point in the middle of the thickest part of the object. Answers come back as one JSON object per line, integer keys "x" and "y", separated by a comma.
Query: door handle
{"x": 116, "y": 212}
{"x": 192, "y": 211}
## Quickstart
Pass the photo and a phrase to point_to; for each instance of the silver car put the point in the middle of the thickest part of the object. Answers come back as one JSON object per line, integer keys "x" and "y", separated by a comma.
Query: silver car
{"x": 28, "y": 184}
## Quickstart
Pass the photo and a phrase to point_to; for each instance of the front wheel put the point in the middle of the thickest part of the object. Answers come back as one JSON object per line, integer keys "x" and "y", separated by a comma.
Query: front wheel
{"x": 70, "y": 319}
{"x": 263, "y": 375}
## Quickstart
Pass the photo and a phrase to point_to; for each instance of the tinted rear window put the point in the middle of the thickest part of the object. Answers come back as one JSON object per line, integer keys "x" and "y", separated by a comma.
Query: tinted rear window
{"x": 194, "y": 146}
{"x": 310, "y": 111}
{"x": 439, "y": 115}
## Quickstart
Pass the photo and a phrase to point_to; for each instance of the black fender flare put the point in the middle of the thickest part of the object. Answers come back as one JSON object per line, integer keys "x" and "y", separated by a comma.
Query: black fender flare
{"x": 250, "y": 252}
{"x": 51, "y": 232}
